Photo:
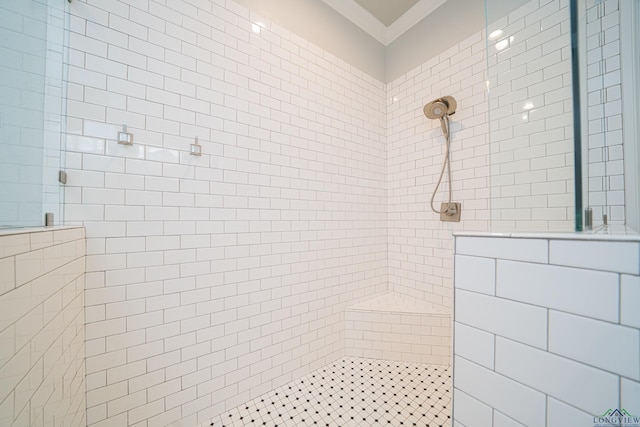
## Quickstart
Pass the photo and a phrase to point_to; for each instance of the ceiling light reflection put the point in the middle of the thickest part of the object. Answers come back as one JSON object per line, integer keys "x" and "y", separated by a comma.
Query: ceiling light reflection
{"x": 494, "y": 35}
{"x": 502, "y": 44}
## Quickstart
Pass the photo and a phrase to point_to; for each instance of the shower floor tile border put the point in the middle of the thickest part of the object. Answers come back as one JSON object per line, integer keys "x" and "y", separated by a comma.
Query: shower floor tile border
{"x": 353, "y": 392}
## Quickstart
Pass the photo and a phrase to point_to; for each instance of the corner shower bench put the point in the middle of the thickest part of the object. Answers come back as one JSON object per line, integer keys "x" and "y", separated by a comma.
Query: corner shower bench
{"x": 395, "y": 327}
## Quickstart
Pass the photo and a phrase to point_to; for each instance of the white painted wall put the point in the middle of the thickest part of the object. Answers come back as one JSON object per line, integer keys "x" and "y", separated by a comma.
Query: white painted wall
{"x": 447, "y": 26}
{"x": 320, "y": 24}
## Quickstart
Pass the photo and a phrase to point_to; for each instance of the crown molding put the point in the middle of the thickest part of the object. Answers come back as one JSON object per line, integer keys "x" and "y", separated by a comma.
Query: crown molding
{"x": 411, "y": 17}
{"x": 376, "y": 29}
{"x": 361, "y": 17}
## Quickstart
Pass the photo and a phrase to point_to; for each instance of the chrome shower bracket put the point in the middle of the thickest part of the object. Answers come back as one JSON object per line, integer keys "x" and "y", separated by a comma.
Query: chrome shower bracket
{"x": 196, "y": 148}
{"x": 124, "y": 137}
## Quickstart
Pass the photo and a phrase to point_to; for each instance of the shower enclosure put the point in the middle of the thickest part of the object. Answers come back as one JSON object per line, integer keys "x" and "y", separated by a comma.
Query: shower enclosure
{"x": 562, "y": 116}
{"x": 31, "y": 111}
{"x": 545, "y": 169}
{"x": 609, "y": 93}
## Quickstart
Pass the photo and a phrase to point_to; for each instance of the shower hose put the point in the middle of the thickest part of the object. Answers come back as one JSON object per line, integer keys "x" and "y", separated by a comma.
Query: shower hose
{"x": 446, "y": 131}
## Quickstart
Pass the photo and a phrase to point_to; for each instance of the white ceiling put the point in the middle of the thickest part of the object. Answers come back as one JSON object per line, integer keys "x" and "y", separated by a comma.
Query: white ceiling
{"x": 385, "y": 20}
{"x": 387, "y": 11}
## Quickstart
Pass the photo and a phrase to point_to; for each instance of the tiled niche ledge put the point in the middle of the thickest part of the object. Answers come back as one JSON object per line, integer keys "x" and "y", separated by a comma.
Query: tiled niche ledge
{"x": 546, "y": 328}
{"x": 394, "y": 327}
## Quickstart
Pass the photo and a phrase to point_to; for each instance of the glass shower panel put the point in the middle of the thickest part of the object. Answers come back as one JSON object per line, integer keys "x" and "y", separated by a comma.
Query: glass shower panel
{"x": 31, "y": 88}
{"x": 604, "y": 93}
{"x": 529, "y": 86}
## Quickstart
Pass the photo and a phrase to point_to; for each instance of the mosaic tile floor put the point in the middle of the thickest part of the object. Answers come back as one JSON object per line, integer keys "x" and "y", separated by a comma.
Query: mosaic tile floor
{"x": 353, "y": 392}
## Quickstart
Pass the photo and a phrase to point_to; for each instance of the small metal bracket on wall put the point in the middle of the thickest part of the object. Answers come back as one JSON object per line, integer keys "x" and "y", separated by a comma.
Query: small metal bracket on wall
{"x": 588, "y": 219}
{"x": 196, "y": 149}
{"x": 62, "y": 177}
{"x": 124, "y": 137}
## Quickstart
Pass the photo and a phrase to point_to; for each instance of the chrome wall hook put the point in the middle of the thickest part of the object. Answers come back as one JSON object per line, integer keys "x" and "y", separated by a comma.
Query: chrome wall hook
{"x": 196, "y": 149}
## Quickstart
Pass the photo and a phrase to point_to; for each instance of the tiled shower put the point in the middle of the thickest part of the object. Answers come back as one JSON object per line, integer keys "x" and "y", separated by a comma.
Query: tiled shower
{"x": 184, "y": 287}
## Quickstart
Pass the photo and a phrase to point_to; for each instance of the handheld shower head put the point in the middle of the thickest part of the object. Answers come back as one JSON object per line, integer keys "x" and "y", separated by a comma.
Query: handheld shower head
{"x": 440, "y": 107}
{"x": 435, "y": 109}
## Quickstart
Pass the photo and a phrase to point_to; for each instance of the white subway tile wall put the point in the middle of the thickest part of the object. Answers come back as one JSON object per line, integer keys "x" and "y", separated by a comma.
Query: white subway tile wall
{"x": 475, "y": 344}
{"x": 605, "y": 256}
{"x": 555, "y": 286}
{"x": 42, "y": 356}
{"x": 31, "y": 113}
{"x": 212, "y": 280}
{"x": 509, "y": 173}
{"x": 584, "y": 313}
{"x": 420, "y": 246}
{"x": 497, "y": 392}
{"x": 472, "y": 411}
{"x": 531, "y": 132}
{"x": 604, "y": 138}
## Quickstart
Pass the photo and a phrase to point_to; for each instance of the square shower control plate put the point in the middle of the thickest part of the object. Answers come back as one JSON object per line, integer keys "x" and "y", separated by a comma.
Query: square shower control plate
{"x": 451, "y": 211}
